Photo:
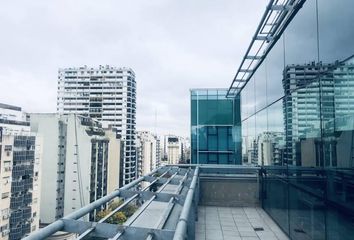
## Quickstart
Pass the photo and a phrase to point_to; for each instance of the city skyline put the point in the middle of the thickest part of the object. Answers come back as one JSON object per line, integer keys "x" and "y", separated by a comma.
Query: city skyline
{"x": 160, "y": 40}
{"x": 148, "y": 138}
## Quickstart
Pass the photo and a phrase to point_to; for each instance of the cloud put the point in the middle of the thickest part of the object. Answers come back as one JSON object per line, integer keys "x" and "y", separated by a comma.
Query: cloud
{"x": 171, "y": 45}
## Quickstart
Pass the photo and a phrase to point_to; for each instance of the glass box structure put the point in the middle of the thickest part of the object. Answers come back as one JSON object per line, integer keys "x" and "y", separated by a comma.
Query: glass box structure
{"x": 215, "y": 127}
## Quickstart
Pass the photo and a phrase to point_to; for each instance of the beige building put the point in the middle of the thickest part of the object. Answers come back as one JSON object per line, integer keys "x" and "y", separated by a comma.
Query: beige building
{"x": 148, "y": 152}
{"x": 173, "y": 146}
{"x": 81, "y": 163}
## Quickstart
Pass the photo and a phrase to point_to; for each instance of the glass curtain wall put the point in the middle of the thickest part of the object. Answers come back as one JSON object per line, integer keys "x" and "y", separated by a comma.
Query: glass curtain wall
{"x": 215, "y": 127}
{"x": 298, "y": 123}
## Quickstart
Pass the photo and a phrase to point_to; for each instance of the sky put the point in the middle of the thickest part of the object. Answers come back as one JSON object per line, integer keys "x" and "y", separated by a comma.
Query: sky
{"x": 172, "y": 45}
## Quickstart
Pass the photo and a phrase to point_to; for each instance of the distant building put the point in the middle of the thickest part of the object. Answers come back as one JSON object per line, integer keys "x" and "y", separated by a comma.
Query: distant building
{"x": 246, "y": 144}
{"x": 252, "y": 152}
{"x": 20, "y": 159}
{"x": 80, "y": 163}
{"x": 323, "y": 94}
{"x": 270, "y": 148}
{"x": 158, "y": 151}
{"x": 336, "y": 144}
{"x": 107, "y": 94}
{"x": 186, "y": 150}
{"x": 215, "y": 127}
{"x": 147, "y": 152}
{"x": 174, "y": 149}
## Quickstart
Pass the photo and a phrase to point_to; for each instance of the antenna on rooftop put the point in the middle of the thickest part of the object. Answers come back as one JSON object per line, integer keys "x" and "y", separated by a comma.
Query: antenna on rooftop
{"x": 155, "y": 123}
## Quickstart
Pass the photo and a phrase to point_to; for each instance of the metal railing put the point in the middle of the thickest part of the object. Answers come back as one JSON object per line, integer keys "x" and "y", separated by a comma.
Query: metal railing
{"x": 168, "y": 176}
{"x": 173, "y": 189}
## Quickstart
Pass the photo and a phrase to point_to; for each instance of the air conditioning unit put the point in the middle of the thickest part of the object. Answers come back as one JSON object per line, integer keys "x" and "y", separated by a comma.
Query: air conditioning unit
{"x": 5, "y": 216}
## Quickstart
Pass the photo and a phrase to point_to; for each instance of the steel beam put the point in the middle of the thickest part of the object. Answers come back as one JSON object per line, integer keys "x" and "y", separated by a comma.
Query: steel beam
{"x": 106, "y": 230}
{"x": 272, "y": 25}
{"x": 59, "y": 224}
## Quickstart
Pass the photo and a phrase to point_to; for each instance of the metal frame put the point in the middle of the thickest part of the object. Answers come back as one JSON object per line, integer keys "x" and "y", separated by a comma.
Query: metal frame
{"x": 277, "y": 16}
{"x": 181, "y": 207}
{"x": 165, "y": 176}
{"x": 178, "y": 215}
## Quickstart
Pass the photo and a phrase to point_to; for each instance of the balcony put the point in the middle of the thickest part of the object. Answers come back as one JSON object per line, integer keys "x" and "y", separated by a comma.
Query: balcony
{"x": 221, "y": 202}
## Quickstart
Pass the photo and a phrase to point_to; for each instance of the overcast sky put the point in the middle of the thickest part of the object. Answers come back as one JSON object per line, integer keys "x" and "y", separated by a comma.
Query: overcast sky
{"x": 171, "y": 45}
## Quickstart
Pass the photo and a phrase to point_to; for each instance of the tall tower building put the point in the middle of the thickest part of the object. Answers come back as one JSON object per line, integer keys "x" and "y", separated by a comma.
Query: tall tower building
{"x": 107, "y": 94}
{"x": 317, "y": 95}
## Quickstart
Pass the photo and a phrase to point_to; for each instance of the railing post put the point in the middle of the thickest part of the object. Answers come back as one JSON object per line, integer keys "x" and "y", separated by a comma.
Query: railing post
{"x": 191, "y": 223}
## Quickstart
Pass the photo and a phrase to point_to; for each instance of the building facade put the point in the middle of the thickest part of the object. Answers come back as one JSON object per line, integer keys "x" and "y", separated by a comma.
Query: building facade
{"x": 316, "y": 95}
{"x": 270, "y": 148}
{"x": 147, "y": 152}
{"x": 80, "y": 163}
{"x": 20, "y": 159}
{"x": 215, "y": 127}
{"x": 174, "y": 149}
{"x": 107, "y": 94}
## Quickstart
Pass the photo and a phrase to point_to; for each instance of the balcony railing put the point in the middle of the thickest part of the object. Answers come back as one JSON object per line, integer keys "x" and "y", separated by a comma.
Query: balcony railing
{"x": 168, "y": 200}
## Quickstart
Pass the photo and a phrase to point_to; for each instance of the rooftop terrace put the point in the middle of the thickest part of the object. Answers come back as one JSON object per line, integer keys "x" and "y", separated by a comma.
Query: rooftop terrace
{"x": 213, "y": 202}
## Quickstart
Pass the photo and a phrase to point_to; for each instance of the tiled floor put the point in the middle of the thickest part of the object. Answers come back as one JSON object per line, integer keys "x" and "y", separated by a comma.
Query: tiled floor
{"x": 222, "y": 223}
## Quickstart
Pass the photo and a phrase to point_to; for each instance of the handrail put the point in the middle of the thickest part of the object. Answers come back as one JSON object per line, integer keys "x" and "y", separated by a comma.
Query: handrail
{"x": 181, "y": 228}
{"x": 59, "y": 224}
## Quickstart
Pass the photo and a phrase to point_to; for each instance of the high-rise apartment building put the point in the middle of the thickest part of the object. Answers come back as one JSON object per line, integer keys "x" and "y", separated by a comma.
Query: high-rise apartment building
{"x": 215, "y": 127}
{"x": 80, "y": 163}
{"x": 20, "y": 159}
{"x": 323, "y": 97}
{"x": 147, "y": 152}
{"x": 107, "y": 94}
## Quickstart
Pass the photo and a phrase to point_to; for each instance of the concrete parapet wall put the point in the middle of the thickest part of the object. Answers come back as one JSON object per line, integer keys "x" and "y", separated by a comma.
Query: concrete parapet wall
{"x": 229, "y": 192}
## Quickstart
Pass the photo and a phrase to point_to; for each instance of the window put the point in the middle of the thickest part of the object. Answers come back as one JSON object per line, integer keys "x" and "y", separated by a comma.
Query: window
{"x": 5, "y": 212}
{"x": 8, "y": 148}
{"x": 5, "y": 195}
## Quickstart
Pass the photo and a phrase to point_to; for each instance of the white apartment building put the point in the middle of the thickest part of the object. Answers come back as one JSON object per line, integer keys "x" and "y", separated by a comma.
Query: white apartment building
{"x": 270, "y": 148}
{"x": 148, "y": 152}
{"x": 107, "y": 94}
{"x": 80, "y": 163}
{"x": 20, "y": 158}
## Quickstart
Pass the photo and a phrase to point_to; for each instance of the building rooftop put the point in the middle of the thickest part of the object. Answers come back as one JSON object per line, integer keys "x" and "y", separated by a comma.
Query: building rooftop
{"x": 178, "y": 201}
{"x": 10, "y": 107}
